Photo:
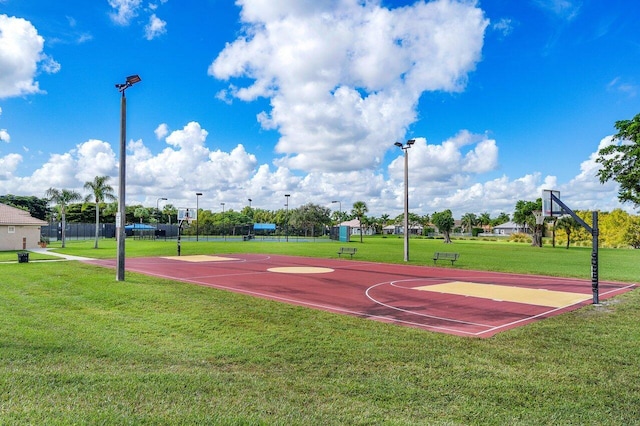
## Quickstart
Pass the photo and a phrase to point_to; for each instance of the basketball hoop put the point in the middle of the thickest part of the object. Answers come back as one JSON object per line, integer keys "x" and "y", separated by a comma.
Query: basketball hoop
{"x": 539, "y": 217}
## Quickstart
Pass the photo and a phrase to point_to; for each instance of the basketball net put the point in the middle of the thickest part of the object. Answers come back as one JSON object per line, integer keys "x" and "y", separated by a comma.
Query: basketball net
{"x": 539, "y": 217}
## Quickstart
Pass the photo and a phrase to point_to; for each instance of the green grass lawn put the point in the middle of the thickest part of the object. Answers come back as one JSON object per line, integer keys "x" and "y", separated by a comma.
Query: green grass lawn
{"x": 78, "y": 347}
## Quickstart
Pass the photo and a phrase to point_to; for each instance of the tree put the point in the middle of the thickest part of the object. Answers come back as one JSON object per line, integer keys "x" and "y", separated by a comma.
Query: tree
{"x": 171, "y": 212}
{"x": 568, "y": 224}
{"x": 62, "y": 198}
{"x": 444, "y": 221}
{"x": 359, "y": 210}
{"x": 484, "y": 220}
{"x": 37, "y": 207}
{"x": 502, "y": 218}
{"x": 524, "y": 216}
{"x": 101, "y": 191}
{"x": 632, "y": 234}
{"x": 310, "y": 217}
{"x": 142, "y": 213}
{"x": 468, "y": 221}
{"x": 621, "y": 161}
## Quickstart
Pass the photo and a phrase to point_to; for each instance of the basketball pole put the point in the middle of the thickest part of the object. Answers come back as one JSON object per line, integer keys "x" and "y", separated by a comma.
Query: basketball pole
{"x": 594, "y": 231}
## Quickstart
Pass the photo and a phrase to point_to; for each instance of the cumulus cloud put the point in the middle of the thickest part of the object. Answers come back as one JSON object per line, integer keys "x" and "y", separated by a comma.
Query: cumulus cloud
{"x": 155, "y": 28}
{"x": 161, "y": 131}
{"x": 189, "y": 162}
{"x": 20, "y": 56}
{"x": 344, "y": 77}
{"x": 8, "y": 165}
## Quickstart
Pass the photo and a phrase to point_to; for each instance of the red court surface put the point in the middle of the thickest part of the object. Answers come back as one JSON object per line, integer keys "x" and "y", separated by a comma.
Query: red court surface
{"x": 447, "y": 300}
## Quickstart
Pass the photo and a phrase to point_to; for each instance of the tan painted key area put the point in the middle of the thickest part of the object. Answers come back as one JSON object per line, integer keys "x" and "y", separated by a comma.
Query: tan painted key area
{"x": 540, "y": 297}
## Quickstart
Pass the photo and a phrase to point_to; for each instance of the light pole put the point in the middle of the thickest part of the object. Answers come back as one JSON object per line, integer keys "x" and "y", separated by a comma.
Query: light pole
{"x": 122, "y": 174}
{"x": 158, "y": 209}
{"x": 286, "y": 225}
{"x": 224, "y": 237}
{"x": 198, "y": 194}
{"x": 339, "y": 208}
{"x": 250, "y": 200}
{"x": 405, "y": 148}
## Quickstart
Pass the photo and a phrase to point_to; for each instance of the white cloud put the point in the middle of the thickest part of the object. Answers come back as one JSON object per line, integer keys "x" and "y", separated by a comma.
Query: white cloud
{"x": 20, "y": 53}
{"x": 5, "y": 136}
{"x": 125, "y": 10}
{"x": 189, "y": 162}
{"x": 155, "y": 28}
{"x": 161, "y": 131}
{"x": 344, "y": 77}
{"x": 8, "y": 165}
{"x": 49, "y": 65}
{"x": 504, "y": 26}
{"x": 565, "y": 9}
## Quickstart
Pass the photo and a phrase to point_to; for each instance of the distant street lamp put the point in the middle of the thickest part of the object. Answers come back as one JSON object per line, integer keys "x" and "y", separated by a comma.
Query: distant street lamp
{"x": 158, "y": 209}
{"x": 286, "y": 225}
{"x": 198, "y": 194}
{"x": 405, "y": 148}
{"x": 339, "y": 208}
{"x": 122, "y": 175}
{"x": 224, "y": 237}
{"x": 250, "y": 200}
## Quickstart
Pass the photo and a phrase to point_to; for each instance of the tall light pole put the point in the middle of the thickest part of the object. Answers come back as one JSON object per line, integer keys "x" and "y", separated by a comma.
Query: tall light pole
{"x": 286, "y": 225}
{"x": 405, "y": 148}
{"x": 250, "y": 200}
{"x": 198, "y": 194}
{"x": 122, "y": 174}
{"x": 224, "y": 237}
{"x": 158, "y": 209}
{"x": 339, "y": 208}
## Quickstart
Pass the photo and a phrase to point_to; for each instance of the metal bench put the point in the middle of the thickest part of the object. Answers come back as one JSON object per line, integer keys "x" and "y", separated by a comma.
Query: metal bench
{"x": 347, "y": 250}
{"x": 439, "y": 255}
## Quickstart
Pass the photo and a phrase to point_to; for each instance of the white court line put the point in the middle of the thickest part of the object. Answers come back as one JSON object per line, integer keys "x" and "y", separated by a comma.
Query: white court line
{"x": 392, "y": 283}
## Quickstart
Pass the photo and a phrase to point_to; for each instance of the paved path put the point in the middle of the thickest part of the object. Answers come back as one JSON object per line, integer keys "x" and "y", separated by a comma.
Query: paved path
{"x": 60, "y": 255}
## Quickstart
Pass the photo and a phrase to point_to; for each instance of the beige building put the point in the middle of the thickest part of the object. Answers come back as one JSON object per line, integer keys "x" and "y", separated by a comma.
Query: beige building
{"x": 18, "y": 229}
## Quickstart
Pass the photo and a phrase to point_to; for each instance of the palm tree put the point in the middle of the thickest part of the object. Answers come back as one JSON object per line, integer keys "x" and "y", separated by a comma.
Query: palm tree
{"x": 100, "y": 191}
{"x": 359, "y": 210}
{"x": 62, "y": 198}
{"x": 468, "y": 221}
{"x": 484, "y": 220}
{"x": 567, "y": 224}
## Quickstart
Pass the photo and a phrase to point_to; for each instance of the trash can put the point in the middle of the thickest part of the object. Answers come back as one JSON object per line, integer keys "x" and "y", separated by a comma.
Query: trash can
{"x": 23, "y": 257}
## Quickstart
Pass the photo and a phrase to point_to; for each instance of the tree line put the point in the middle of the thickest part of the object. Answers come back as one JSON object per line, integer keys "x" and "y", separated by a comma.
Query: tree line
{"x": 620, "y": 163}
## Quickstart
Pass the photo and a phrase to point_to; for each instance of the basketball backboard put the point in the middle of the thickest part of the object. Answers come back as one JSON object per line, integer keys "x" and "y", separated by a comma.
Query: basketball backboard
{"x": 185, "y": 213}
{"x": 549, "y": 207}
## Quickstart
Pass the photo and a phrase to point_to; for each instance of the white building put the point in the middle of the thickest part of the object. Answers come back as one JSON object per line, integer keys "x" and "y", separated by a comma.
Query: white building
{"x": 354, "y": 225}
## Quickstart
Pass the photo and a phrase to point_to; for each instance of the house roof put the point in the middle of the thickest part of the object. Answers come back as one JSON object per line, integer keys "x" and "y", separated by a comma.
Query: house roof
{"x": 509, "y": 225}
{"x": 354, "y": 223}
{"x": 13, "y": 216}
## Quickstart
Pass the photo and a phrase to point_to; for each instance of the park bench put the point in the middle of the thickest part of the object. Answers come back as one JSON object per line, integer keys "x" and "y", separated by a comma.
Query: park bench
{"x": 347, "y": 250}
{"x": 439, "y": 255}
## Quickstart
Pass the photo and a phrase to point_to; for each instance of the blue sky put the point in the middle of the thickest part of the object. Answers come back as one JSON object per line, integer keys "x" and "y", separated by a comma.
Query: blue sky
{"x": 258, "y": 99}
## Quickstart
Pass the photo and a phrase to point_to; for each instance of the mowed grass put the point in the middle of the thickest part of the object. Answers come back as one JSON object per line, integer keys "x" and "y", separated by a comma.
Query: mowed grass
{"x": 77, "y": 347}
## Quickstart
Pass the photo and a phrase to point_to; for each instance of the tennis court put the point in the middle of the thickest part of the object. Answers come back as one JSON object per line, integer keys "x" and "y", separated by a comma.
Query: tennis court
{"x": 453, "y": 301}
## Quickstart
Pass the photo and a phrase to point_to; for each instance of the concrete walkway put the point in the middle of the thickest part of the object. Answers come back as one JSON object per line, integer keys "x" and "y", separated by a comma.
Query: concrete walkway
{"x": 60, "y": 255}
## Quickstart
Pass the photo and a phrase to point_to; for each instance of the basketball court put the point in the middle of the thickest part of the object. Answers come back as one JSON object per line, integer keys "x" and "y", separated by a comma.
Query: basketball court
{"x": 453, "y": 301}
